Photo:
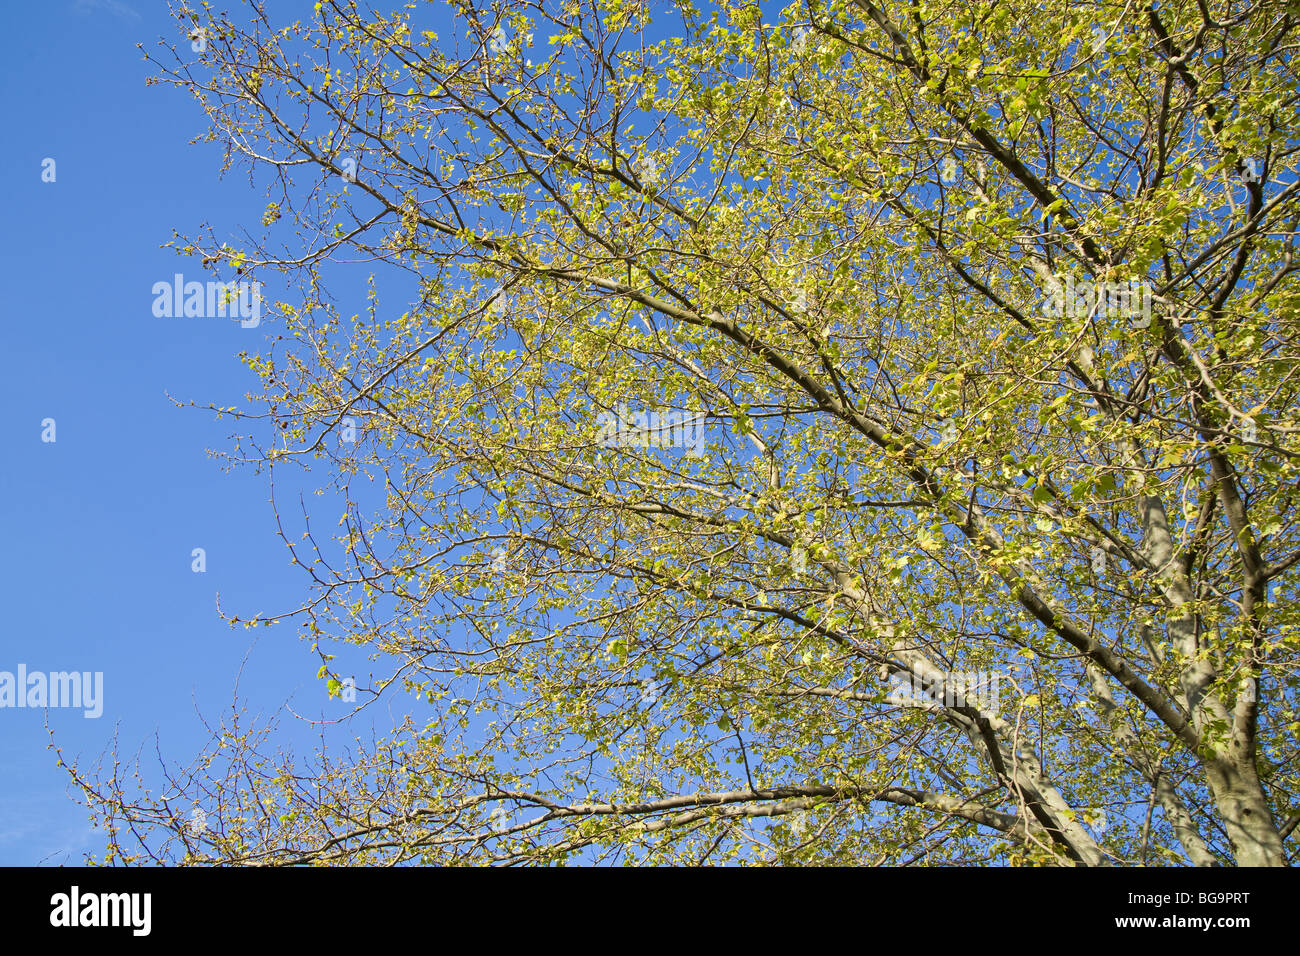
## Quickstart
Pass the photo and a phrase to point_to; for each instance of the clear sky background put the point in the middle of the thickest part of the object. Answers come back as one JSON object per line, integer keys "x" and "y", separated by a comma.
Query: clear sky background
{"x": 99, "y": 526}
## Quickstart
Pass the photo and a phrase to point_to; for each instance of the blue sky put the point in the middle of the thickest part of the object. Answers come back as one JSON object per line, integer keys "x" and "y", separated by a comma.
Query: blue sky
{"x": 100, "y": 524}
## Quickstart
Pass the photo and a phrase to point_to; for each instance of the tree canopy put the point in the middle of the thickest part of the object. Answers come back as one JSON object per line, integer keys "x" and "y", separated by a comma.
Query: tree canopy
{"x": 857, "y": 432}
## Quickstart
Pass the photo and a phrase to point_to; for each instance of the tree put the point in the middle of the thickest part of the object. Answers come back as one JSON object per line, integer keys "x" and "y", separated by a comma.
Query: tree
{"x": 866, "y": 434}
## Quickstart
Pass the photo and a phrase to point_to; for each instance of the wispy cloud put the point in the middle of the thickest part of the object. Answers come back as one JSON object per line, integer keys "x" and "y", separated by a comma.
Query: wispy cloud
{"x": 43, "y": 829}
{"x": 115, "y": 7}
